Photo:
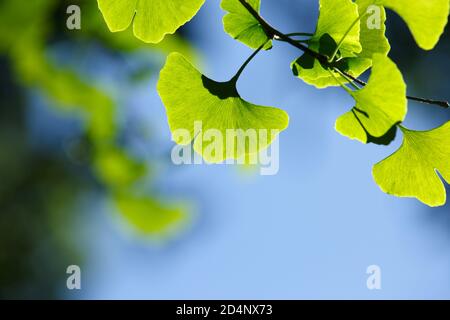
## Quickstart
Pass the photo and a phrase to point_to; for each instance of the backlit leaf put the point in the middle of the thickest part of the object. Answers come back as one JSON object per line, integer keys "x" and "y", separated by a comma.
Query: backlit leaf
{"x": 372, "y": 34}
{"x": 425, "y": 18}
{"x": 380, "y": 105}
{"x": 152, "y": 19}
{"x": 336, "y": 18}
{"x": 412, "y": 170}
{"x": 241, "y": 25}
{"x": 190, "y": 97}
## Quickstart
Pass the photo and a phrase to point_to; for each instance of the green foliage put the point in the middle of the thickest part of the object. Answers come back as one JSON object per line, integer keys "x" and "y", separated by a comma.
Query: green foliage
{"x": 411, "y": 171}
{"x": 335, "y": 19}
{"x": 425, "y": 18}
{"x": 149, "y": 216}
{"x": 125, "y": 42}
{"x": 338, "y": 23}
{"x": 17, "y": 21}
{"x": 342, "y": 47}
{"x": 242, "y": 26}
{"x": 345, "y": 44}
{"x": 372, "y": 37}
{"x": 23, "y": 41}
{"x": 216, "y": 104}
{"x": 380, "y": 105}
{"x": 68, "y": 90}
{"x": 152, "y": 19}
{"x": 117, "y": 169}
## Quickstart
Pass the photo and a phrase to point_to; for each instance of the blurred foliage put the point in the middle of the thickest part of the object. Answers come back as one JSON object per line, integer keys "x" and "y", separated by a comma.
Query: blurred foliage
{"x": 33, "y": 67}
{"x": 39, "y": 191}
{"x": 36, "y": 208}
{"x": 157, "y": 217}
{"x": 114, "y": 168}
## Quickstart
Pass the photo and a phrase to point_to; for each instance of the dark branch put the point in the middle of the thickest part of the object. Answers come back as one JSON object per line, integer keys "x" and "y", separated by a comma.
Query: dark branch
{"x": 274, "y": 34}
{"x": 443, "y": 104}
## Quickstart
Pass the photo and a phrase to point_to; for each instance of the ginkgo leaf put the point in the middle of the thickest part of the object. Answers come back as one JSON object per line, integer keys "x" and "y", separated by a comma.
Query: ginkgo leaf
{"x": 241, "y": 25}
{"x": 191, "y": 98}
{"x": 337, "y": 24}
{"x": 335, "y": 19}
{"x": 312, "y": 72}
{"x": 425, "y": 18}
{"x": 149, "y": 216}
{"x": 94, "y": 26}
{"x": 380, "y": 105}
{"x": 373, "y": 28}
{"x": 411, "y": 171}
{"x": 152, "y": 19}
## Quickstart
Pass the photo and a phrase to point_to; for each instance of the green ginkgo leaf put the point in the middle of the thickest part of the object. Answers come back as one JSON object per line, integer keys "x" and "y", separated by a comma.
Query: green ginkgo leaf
{"x": 241, "y": 25}
{"x": 338, "y": 25}
{"x": 149, "y": 216}
{"x": 152, "y": 19}
{"x": 372, "y": 29}
{"x": 335, "y": 19}
{"x": 425, "y": 18}
{"x": 312, "y": 72}
{"x": 380, "y": 105}
{"x": 411, "y": 171}
{"x": 191, "y": 98}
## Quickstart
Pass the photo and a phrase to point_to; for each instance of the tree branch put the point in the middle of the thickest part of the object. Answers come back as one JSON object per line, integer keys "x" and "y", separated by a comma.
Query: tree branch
{"x": 274, "y": 34}
{"x": 443, "y": 104}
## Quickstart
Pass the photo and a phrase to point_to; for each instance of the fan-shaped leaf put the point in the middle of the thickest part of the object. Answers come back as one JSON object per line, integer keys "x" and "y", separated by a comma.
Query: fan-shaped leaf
{"x": 314, "y": 73}
{"x": 241, "y": 25}
{"x": 379, "y": 106}
{"x": 425, "y": 18}
{"x": 372, "y": 34}
{"x": 152, "y": 19}
{"x": 337, "y": 19}
{"x": 190, "y": 98}
{"x": 411, "y": 171}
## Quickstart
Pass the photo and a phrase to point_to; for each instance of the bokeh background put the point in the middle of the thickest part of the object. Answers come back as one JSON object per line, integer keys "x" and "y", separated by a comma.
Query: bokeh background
{"x": 86, "y": 176}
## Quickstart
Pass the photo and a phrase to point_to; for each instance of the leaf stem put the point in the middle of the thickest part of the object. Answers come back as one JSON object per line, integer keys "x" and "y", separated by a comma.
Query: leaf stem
{"x": 299, "y": 34}
{"x": 340, "y": 83}
{"x": 440, "y": 103}
{"x": 443, "y": 104}
{"x": 344, "y": 37}
{"x": 245, "y": 64}
{"x": 274, "y": 34}
{"x": 347, "y": 78}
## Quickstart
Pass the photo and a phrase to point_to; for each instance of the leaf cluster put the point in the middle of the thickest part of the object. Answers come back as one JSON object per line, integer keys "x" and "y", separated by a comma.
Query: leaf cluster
{"x": 349, "y": 39}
